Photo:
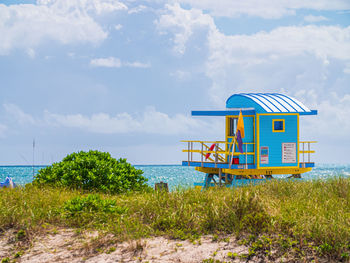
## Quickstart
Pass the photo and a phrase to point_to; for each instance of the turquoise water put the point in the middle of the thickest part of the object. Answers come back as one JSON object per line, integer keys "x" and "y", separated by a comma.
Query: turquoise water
{"x": 174, "y": 175}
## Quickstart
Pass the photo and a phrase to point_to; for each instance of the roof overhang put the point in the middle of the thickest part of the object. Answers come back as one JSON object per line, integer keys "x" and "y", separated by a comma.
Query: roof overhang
{"x": 245, "y": 112}
{"x": 311, "y": 112}
{"x": 230, "y": 112}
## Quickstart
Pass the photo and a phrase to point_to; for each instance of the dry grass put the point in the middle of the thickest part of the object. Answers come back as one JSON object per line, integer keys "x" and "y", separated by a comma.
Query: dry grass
{"x": 302, "y": 217}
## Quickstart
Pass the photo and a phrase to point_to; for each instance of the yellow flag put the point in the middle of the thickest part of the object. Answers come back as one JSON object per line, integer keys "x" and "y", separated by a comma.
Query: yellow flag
{"x": 240, "y": 124}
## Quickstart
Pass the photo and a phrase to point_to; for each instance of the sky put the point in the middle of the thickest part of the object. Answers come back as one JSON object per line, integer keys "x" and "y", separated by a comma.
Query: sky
{"x": 123, "y": 76}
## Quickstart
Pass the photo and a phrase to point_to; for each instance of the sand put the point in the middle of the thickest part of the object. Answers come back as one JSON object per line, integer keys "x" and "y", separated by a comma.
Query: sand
{"x": 66, "y": 245}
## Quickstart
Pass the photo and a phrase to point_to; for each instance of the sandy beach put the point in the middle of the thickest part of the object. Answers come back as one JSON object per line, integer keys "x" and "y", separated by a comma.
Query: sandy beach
{"x": 67, "y": 246}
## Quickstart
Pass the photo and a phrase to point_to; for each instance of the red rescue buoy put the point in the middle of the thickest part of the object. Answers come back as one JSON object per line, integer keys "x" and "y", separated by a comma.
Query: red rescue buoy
{"x": 210, "y": 149}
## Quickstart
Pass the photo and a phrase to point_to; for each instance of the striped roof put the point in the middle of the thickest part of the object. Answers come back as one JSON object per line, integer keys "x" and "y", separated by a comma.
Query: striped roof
{"x": 269, "y": 102}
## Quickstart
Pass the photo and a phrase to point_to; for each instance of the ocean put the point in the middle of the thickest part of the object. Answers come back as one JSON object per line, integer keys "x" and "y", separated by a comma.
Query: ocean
{"x": 174, "y": 175}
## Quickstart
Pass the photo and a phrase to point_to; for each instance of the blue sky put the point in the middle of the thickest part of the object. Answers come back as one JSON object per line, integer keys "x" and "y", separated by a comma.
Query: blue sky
{"x": 123, "y": 76}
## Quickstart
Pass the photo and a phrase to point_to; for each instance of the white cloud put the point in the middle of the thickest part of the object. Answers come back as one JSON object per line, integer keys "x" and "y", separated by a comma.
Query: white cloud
{"x": 264, "y": 8}
{"x": 321, "y": 41}
{"x": 182, "y": 23}
{"x": 333, "y": 119}
{"x": 118, "y": 27}
{"x": 137, "y": 64}
{"x": 314, "y": 19}
{"x": 65, "y": 21}
{"x": 270, "y": 61}
{"x": 137, "y": 9}
{"x": 16, "y": 114}
{"x": 112, "y": 62}
{"x": 240, "y": 62}
{"x": 89, "y": 6}
{"x": 302, "y": 61}
{"x": 151, "y": 122}
{"x": 99, "y": 123}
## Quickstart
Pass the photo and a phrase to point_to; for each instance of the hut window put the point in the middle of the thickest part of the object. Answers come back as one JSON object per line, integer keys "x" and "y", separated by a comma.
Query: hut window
{"x": 278, "y": 126}
{"x": 232, "y": 126}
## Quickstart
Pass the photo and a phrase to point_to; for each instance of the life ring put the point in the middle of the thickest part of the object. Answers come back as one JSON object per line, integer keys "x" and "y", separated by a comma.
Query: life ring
{"x": 210, "y": 149}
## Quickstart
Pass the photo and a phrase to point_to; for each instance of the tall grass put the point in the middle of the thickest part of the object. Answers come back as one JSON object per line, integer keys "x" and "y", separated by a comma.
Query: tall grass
{"x": 314, "y": 214}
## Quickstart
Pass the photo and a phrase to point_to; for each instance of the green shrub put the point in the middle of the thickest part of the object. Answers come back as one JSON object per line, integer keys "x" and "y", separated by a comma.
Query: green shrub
{"x": 92, "y": 203}
{"x": 93, "y": 170}
{"x": 91, "y": 210}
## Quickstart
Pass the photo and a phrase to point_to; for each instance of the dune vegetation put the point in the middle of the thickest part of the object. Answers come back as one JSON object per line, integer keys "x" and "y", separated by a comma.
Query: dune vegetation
{"x": 299, "y": 218}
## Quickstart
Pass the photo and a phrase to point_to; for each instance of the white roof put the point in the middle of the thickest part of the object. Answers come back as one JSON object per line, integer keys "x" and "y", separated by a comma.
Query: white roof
{"x": 274, "y": 102}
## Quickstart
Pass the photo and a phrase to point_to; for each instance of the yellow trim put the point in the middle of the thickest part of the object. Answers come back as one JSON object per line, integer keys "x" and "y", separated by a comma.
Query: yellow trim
{"x": 232, "y": 137}
{"x": 297, "y": 149}
{"x": 256, "y": 154}
{"x": 228, "y": 145}
{"x": 258, "y": 140}
{"x": 203, "y": 141}
{"x": 207, "y": 170}
{"x": 249, "y": 172}
{"x": 218, "y": 152}
{"x": 254, "y": 161}
{"x": 278, "y": 167}
{"x": 273, "y": 125}
{"x": 226, "y": 135}
{"x": 234, "y": 116}
{"x": 267, "y": 171}
{"x": 276, "y": 114}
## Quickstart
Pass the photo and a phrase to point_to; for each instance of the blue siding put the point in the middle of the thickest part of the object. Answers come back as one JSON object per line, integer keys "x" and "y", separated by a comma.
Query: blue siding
{"x": 274, "y": 140}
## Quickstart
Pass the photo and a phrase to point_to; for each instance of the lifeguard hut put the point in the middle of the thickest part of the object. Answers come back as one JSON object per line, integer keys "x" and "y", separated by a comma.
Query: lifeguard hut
{"x": 270, "y": 145}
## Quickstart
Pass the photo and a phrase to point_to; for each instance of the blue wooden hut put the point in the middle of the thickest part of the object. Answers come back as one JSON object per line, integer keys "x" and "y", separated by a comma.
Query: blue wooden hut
{"x": 271, "y": 144}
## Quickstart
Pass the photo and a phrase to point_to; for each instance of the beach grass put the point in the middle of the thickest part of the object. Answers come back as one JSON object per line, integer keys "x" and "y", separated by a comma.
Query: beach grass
{"x": 288, "y": 216}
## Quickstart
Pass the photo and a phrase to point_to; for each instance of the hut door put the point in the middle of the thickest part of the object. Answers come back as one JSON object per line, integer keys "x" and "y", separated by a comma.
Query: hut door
{"x": 249, "y": 137}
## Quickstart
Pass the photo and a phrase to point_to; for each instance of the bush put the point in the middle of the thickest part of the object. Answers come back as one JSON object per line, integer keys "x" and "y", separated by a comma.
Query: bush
{"x": 93, "y": 170}
{"x": 92, "y": 203}
{"x": 91, "y": 210}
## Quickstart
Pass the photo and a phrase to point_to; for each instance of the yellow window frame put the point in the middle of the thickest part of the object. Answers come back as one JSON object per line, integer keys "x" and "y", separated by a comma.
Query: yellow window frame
{"x": 273, "y": 125}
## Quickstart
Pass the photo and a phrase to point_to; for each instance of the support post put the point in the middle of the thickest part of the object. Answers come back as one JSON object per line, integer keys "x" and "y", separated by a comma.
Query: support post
{"x": 216, "y": 155}
{"x": 232, "y": 151}
{"x": 229, "y": 158}
{"x": 303, "y": 153}
{"x": 220, "y": 177}
{"x": 188, "y": 153}
{"x": 202, "y": 155}
{"x": 246, "y": 157}
{"x": 191, "y": 151}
